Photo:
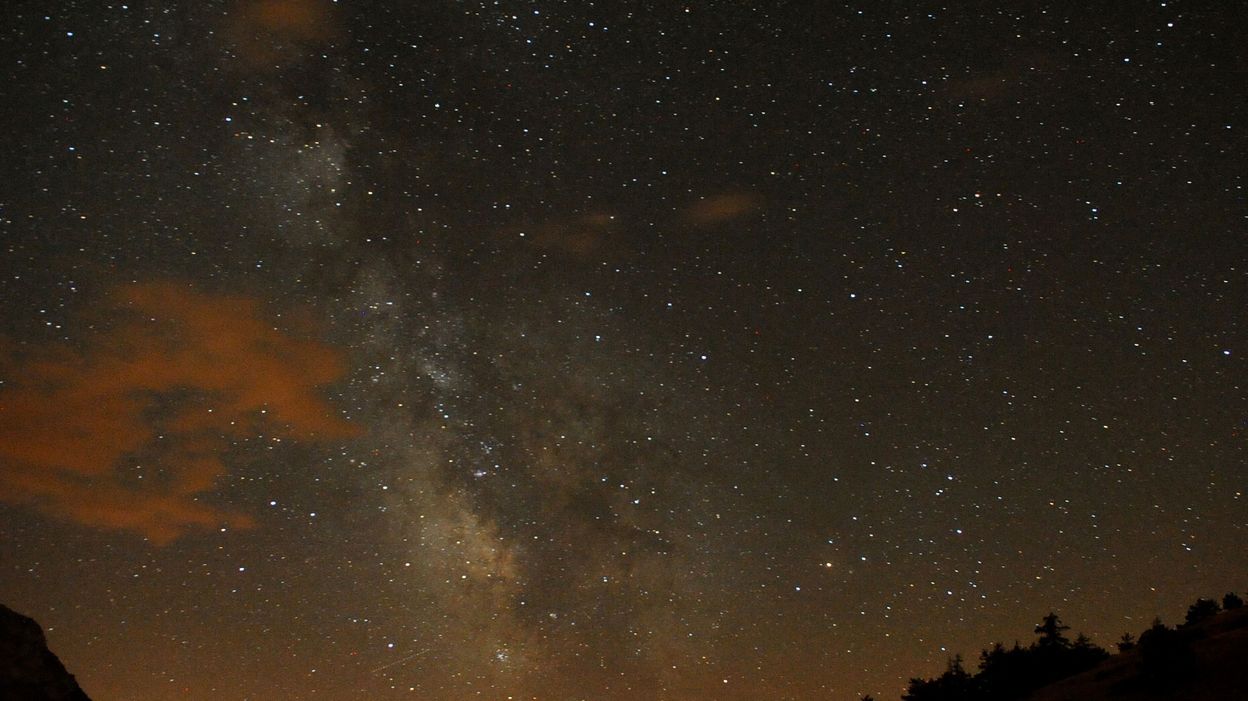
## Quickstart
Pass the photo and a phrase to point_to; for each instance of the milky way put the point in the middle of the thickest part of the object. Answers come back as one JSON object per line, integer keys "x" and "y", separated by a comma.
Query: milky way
{"x": 642, "y": 351}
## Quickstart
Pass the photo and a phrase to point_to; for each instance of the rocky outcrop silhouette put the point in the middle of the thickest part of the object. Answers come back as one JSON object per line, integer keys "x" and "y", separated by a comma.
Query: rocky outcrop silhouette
{"x": 29, "y": 671}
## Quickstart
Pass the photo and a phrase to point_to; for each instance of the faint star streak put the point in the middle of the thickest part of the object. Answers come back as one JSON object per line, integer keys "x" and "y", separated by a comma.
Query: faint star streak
{"x": 399, "y": 661}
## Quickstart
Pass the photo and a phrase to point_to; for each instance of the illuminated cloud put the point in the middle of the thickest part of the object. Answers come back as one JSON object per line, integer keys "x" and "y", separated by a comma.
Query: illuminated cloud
{"x": 269, "y": 33}
{"x": 579, "y": 237}
{"x": 126, "y": 430}
{"x": 1003, "y": 83}
{"x": 721, "y": 208}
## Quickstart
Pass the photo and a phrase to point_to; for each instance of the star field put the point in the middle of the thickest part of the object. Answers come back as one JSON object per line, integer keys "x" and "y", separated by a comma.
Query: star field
{"x": 544, "y": 350}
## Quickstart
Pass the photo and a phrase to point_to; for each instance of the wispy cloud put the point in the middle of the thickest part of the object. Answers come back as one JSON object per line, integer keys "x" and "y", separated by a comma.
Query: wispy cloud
{"x": 580, "y": 236}
{"x": 270, "y": 33}
{"x": 126, "y": 430}
{"x": 721, "y": 208}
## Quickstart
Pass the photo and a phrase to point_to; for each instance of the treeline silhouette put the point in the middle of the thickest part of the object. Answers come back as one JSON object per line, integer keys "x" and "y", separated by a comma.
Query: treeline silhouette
{"x": 1009, "y": 674}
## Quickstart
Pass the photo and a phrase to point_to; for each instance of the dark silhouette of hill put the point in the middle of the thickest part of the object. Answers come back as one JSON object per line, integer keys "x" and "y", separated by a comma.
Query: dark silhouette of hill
{"x": 1203, "y": 659}
{"x": 29, "y": 671}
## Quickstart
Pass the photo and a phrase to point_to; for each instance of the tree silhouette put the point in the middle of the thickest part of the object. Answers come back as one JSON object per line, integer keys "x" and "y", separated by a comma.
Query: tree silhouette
{"x": 1166, "y": 659}
{"x": 954, "y": 685}
{"x": 1011, "y": 674}
{"x": 1006, "y": 673}
{"x": 1201, "y": 610}
{"x": 1126, "y": 643}
{"x": 1050, "y": 632}
{"x": 1084, "y": 655}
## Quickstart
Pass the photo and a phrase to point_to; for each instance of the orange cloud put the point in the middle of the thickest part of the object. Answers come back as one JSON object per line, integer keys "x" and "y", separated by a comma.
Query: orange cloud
{"x": 273, "y": 32}
{"x": 580, "y": 236}
{"x": 721, "y": 208}
{"x": 127, "y": 430}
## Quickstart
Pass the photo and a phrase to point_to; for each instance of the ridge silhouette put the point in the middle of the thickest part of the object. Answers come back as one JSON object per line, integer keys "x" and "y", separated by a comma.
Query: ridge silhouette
{"x": 1199, "y": 660}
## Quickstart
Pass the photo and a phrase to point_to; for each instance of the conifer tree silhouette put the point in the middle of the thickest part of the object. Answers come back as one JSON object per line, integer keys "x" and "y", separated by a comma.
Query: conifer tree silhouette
{"x": 1201, "y": 610}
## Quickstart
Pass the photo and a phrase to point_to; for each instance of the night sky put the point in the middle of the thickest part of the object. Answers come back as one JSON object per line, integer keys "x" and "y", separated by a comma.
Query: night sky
{"x": 571, "y": 350}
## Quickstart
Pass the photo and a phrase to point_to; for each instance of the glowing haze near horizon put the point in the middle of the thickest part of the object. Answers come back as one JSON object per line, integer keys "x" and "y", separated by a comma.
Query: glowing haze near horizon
{"x": 543, "y": 350}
